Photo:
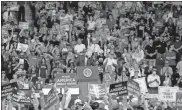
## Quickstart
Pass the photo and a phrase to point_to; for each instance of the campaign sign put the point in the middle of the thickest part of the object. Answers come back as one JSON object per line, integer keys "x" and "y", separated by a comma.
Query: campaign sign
{"x": 167, "y": 93}
{"x": 7, "y": 89}
{"x": 119, "y": 89}
{"x": 22, "y": 97}
{"x": 22, "y": 47}
{"x": 51, "y": 99}
{"x": 97, "y": 90}
{"x": 87, "y": 74}
{"x": 133, "y": 87}
{"x": 179, "y": 100}
{"x": 142, "y": 84}
{"x": 23, "y": 25}
{"x": 68, "y": 80}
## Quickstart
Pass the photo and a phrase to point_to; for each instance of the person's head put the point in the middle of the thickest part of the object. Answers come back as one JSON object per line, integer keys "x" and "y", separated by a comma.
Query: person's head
{"x": 110, "y": 16}
{"x": 154, "y": 71}
{"x": 88, "y": 35}
{"x": 150, "y": 42}
{"x": 177, "y": 38}
{"x": 79, "y": 41}
{"x": 21, "y": 55}
{"x": 14, "y": 76}
{"x": 166, "y": 63}
{"x": 95, "y": 106}
{"x": 171, "y": 47}
{"x": 43, "y": 61}
{"x": 170, "y": 20}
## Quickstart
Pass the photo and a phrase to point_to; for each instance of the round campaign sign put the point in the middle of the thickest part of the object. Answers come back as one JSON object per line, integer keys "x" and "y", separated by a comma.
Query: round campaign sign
{"x": 87, "y": 72}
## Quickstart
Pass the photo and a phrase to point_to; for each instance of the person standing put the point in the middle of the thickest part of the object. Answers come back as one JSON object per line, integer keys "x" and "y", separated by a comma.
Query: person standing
{"x": 153, "y": 80}
{"x": 21, "y": 12}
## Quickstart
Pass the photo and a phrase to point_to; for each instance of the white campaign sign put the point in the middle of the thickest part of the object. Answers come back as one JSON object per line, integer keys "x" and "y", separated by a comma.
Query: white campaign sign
{"x": 142, "y": 84}
{"x": 167, "y": 93}
{"x": 22, "y": 47}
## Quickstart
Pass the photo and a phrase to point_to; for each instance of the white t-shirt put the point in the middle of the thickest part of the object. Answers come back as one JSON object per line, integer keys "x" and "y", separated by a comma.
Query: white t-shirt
{"x": 94, "y": 48}
{"x": 179, "y": 67}
{"x": 91, "y": 25}
{"x": 152, "y": 78}
{"x": 79, "y": 48}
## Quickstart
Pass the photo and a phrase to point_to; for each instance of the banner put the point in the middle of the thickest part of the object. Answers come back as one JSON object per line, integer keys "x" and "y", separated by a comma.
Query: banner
{"x": 23, "y": 25}
{"x": 119, "y": 89}
{"x": 7, "y": 89}
{"x": 87, "y": 74}
{"x": 22, "y": 47}
{"x": 51, "y": 99}
{"x": 167, "y": 93}
{"x": 142, "y": 84}
{"x": 151, "y": 96}
{"x": 97, "y": 90}
{"x": 22, "y": 97}
{"x": 179, "y": 100}
{"x": 68, "y": 80}
{"x": 133, "y": 87}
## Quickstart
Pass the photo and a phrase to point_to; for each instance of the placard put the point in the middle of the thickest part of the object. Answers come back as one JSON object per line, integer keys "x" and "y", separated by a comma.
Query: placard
{"x": 22, "y": 97}
{"x": 23, "y": 25}
{"x": 51, "y": 99}
{"x": 142, "y": 84}
{"x": 7, "y": 89}
{"x": 133, "y": 87}
{"x": 179, "y": 100}
{"x": 22, "y": 47}
{"x": 167, "y": 93}
{"x": 97, "y": 90}
{"x": 119, "y": 89}
{"x": 87, "y": 74}
{"x": 68, "y": 80}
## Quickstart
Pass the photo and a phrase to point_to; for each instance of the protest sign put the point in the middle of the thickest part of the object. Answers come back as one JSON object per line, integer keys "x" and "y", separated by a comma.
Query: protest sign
{"x": 23, "y": 25}
{"x": 87, "y": 74}
{"x": 7, "y": 89}
{"x": 68, "y": 80}
{"x": 167, "y": 93}
{"x": 142, "y": 84}
{"x": 133, "y": 87}
{"x": 51, "y": 99}
{"x": 151, "y": 96}
{"x": 22, "y": 97}
{"x": 179, "y": 100}
{"x": 97, "y": 90}
{"x": 22, "y": 47}
{"x": 119, "y": 89}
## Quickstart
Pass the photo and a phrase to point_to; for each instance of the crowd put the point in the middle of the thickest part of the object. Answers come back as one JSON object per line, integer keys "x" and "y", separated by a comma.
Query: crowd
{"x": 125, "y": 40}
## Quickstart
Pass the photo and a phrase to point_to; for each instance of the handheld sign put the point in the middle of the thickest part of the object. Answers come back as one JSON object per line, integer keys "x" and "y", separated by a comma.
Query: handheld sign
{"x": 7, "y": 89}
{"x": 51, "y": 99}
{"x": 68, "y": 80}
{"x": 119, "y": 89}
{"x": 179, "y": 100}
{"x": 167, "y": 93}
{"x": 133, "y": 87}
{"x": 97, "y": 90}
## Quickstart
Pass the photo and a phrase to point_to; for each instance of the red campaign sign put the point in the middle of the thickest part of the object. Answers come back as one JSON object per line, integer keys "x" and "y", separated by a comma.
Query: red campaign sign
{"x": 87, "y": 74}
{"x": 179, "y": 100}
{"x": 51, "y": 99}
{"x": 68, "y": 80}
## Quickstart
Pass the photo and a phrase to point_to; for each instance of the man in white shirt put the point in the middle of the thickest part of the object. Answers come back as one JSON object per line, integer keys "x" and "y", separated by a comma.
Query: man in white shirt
{"x": 79, "y": 48}
{"x": 95, "y": 48}
{"x": 179, "y": 67}
{"x": 153, "y": 80}
{"x": 110, "y": 61}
